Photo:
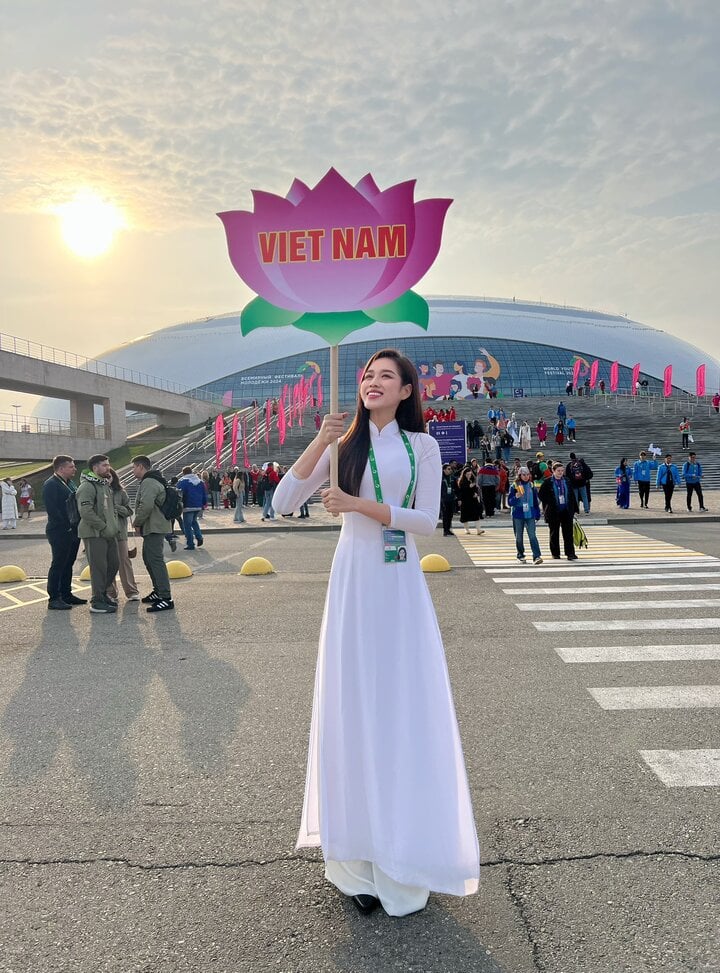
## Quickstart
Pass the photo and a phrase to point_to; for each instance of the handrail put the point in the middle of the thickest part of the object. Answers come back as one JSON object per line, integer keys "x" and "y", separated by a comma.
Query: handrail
{"x": 56, "y": 356}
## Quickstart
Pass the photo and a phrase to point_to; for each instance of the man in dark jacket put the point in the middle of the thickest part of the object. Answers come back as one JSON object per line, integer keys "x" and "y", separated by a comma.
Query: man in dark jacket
{"x": 578, "y": 474}
{"x": 559, "y": 506}
{"x": 61, "y": 534}
{"x": 150, "y": 522}
{"x": 447, "y": 499}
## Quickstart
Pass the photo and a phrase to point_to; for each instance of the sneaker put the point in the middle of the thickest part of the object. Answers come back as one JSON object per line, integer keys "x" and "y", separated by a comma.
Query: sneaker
{"x": 704, "y": 509}
{"x": 538, "y": 560}
{"x": 111, "y": 601}
{"x": 148, "y": 599}
{"x": 161, "y": 606}
{"x": 190, "y": 548}
{"x": 201, "y": 542}
{"x": 74, "y": 600}
{"x": 57, "y": 604}
{"x": 102, "y": 608}
{"x": 133, "y": 597}
{"x": 522, "y": 560}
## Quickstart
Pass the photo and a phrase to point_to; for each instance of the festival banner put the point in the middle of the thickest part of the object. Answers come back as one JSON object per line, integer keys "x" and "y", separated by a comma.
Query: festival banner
{"x": 246, "y": 456}
{"x": 576, "y": 372}
{"x": 614, "y": 376}
{"x": 635, "y": 378}
{"x": 700, "y": 381}
{"x": 594, "y": 373}
{"x": 281, "y": 421}
{"x": 234, "y": 439}
{"x": 451, "y": 437}
{"x": 667, "y": 382}
{"x": 219, "y": 438}
{"x": 319, "y": 391}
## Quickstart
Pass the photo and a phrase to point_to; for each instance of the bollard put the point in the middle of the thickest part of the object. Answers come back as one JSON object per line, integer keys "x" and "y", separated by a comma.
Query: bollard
{"x": 433, "y": 563}
{"x": 257, "y": 565}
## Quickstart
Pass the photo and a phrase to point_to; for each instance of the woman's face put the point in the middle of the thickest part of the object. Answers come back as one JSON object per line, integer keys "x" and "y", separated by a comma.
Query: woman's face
{"x": 382, "y": 386}
{"x": 525, "y": 477}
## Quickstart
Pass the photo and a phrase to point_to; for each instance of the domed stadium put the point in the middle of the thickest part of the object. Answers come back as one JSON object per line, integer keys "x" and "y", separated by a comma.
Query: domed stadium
{"x": 510, "y": 347}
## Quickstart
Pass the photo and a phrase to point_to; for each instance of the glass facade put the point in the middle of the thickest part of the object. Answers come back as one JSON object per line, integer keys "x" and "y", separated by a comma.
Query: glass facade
{"x": 446, "y": 366}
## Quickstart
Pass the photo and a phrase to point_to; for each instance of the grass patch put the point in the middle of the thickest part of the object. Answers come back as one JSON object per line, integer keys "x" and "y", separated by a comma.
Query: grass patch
{"x": 21, "y": 469}
{"x": 124, "y": 454}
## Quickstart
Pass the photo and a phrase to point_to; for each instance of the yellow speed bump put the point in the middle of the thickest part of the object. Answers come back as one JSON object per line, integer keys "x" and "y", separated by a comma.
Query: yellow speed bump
{"x": 178, "y": 569}
{"x": 433, "y": 563}
{"x": 11, "y": 572}
{"x": 257, "y": 565}
{"x": 85, "y": 573}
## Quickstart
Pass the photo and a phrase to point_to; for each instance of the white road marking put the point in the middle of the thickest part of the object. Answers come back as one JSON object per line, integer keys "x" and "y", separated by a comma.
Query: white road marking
{"x": 590, "y": 606}
{"x": 640, "y": 653}
{"x": 530, "y": 578}
{"x": 611, "y": 589}
{"x": 684, "y": 768}
{"x": 657, "y": 697}
{"x": 641, "y": 563}
{"x": 627, "y": 625}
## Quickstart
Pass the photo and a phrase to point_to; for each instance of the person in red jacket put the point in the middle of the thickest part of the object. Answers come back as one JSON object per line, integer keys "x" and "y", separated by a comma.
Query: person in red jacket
{"x": 270, "y": 481}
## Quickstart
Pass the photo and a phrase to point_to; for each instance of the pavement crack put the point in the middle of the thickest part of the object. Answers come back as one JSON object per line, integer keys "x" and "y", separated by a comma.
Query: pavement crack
{"x": 596, "y": 856}
{"x": 159, "y": 866}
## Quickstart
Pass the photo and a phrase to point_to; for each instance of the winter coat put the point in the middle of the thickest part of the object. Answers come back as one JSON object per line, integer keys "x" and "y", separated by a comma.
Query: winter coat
{"x": 123, "y": 512}
{"x": 517, "y": 502}
{"x": 96, "y": 506}
{"x": 551, "y": 508}
{"x": 9, "y": 503}
{"x": 150, "y": 496}
{"x": 55, "y": 492}
{"x": 193, "y": 491}
{"x": 666, "y": 473}
{"x": 470, "y": 509}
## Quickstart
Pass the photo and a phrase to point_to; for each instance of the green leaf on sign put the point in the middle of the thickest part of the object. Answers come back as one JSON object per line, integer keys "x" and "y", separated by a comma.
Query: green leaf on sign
{"x": 409, "y": 308}
{"x": 333, "y": 327}
{"x": 260, "y": 313}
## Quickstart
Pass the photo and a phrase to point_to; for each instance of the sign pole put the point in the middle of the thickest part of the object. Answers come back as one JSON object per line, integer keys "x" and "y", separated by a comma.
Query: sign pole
{"x": 334, "y": 409}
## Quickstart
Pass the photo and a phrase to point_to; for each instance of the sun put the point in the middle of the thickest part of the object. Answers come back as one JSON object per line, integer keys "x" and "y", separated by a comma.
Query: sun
{"x": 88, "y": 224}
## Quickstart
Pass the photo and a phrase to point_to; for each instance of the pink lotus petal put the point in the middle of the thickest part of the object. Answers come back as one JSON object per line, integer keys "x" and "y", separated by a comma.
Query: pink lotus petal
{"x": 297, "y": 192}
{"x": 368, "y": 187}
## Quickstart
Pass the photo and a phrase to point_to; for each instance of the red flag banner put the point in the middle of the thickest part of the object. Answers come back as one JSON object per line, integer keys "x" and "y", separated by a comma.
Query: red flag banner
{"x": 594, "y": 373}
{"x": 576, "y": 372}
{"x": 635, "y": 378}
{"x": 219, "y": 439}
{"x": 282, "y": 425}
{"x": 319, "y": 391}
{"x": 246, "y": 457}
{"x": 234, "y": 438}
{"x": 667, "y": 382}
{"x": 700, "y": 381}
{"x": 614, "y": 376}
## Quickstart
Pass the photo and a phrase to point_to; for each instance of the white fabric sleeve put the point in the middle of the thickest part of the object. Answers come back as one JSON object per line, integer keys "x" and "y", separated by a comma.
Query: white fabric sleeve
{"x": 291, "y": 491}
{"x": 423, "y": 517}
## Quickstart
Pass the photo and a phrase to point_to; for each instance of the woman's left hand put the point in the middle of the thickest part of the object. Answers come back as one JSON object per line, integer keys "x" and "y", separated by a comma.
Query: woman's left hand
{"x": 336, "y": 501}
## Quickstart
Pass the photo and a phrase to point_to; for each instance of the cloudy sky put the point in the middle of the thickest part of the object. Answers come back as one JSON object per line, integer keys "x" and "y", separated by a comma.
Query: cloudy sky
{"x": 579, "y": 139}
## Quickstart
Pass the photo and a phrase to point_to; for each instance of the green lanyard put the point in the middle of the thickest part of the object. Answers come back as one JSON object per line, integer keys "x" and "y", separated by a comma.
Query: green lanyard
{"x": 376, "y": 477}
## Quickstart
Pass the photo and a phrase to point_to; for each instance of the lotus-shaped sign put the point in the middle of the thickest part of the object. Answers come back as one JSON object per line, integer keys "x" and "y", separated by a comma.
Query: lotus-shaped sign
{"x": 337, "y": 257}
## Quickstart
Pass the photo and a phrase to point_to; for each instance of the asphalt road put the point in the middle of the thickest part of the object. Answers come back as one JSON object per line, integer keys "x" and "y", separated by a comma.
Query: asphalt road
{"x": 152, "y": 773}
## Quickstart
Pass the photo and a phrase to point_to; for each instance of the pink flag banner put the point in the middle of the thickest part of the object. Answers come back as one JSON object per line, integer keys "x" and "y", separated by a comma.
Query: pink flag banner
{"x": 234, "y": 438}
{"x": 700, "y": 381}
{"x": 268, "y": 419}
{"x": 667, "y": 382}
{"x": 310, "y": 385}
{"x": 282, "y": 425}
{"x": 219, "y": 439}
{"x": 319, "y": 391}
{"x": 246, "y": 457}
{"x": 576, "y": 372}
{"x": 594, "y": 373}
{"x": 227, "y": 399}
{"x": 635, "y": 378}
{"x": 614, "y": 376}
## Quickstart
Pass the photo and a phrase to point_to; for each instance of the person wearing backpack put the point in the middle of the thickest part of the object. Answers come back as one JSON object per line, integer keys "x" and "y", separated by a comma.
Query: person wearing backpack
{"x": 193, "y": 501}
{"x": 99, "y": 529}
{"x": 152, "y": 524}
{"x": 62, "y": 535}
{"x": 576, "y": 473}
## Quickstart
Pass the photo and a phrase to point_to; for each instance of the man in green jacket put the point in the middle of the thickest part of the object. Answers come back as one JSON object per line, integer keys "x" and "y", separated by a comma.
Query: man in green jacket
{"x": 151, "y": 523}
{"x": 98, "y": 529}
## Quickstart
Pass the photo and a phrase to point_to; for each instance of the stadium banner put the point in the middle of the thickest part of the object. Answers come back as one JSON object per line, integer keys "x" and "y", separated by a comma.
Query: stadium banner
{"x": 234, "y": 438}
{"x": 614, "y": 375}
{"x": 451, "y": 437}
{"x": 576, "y": 372}
{"x": 219, "y": 438}
{"x": 594, "y": 373}
{"x": 667, "y": 382}
{"x": 635, "y": 378}
{"x": 700, "y": 381}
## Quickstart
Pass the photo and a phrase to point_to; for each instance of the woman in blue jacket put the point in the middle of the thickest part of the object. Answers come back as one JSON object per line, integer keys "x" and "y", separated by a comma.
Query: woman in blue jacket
{"x": 525, "y": 506}
{"x": 623, "y": 476}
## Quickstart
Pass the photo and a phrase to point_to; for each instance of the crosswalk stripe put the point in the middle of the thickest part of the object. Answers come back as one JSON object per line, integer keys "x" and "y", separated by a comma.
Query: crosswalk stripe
{"x": 528, "y": 578}
{"x": 684, "y": 768}
{"x": 657, "y": 697}
{"x": 640, "y": 653}
{"x": 610, "y": 589}
{"x": 627, "y": 625}
{"x": 583, "y": 570}
{"x": 602, "y": 605}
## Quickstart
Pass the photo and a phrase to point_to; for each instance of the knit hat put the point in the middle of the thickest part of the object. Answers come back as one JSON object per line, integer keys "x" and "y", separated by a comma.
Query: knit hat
{"x": 524, "y": 469}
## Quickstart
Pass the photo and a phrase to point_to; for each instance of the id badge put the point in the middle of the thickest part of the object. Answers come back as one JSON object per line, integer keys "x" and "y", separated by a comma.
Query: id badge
{"x": 395, "y": 546}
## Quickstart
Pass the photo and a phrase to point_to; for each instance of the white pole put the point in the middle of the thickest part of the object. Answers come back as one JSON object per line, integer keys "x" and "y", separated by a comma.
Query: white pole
{"x": 334, "y": 408}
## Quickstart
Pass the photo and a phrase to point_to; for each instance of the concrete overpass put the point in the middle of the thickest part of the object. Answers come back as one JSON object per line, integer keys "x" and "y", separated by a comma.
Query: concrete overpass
{"x": 85, "y": 383}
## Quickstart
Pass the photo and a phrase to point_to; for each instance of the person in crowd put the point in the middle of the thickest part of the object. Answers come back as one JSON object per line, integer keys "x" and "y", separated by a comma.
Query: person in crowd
{"x": 559, "y": 507}
{"x": 684, "y": 429}
{"x": 602, "y": 386}
{"x": 541, "y": 430}
{"x": 205, "y": 477}
{"x": 194, "y": 499}
{"x": 238, "y": 485}
{"x": 467, "y": 492}
{"x": 485, "y": 448}
{"x": 254, "y": 476}
{"x": 578, "y": 475}
{"x": 525, "y": 505}
{"x": 501, "y": 419}
{"x": 559, "y": 430}
{"x": 9, "y": 504}
{"x": 487, "y": 480}
{"x": 26, "y": 496}
{"x": 642, "y": 471}
{"x": 270, "y": 480}
{"x": 123, "y": 512}
{"x": 514, "y": 429}
{"x": 561, "y": 411}
{"x": 225, "y": 488}
{"x": 623, "y": 476}
{"x": 525, "y": 435}
{"x": 98, "y": 529}
{"x": 61, "y": 534}
{"x": 716, "y": 402}
{"x": 668, "y": 478}
{"x": 477, "y": 433}
{"x": 171, "y": 538}
{"x": 571, "y": 427}
{"x": 502, "y": 487}
{"x": 447, "y": 499}
{"x": 692, "y": 473}
{"x": 569, "y": 387}
{"x": 152, "y": 525}
{"x": 214, "y": 485}
{"x": 506, "y": 445}
{"x": 387, "y": 797}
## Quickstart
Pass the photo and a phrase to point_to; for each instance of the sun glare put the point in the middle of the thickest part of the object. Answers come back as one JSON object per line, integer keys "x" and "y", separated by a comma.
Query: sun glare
{"x": 88, "y": 224}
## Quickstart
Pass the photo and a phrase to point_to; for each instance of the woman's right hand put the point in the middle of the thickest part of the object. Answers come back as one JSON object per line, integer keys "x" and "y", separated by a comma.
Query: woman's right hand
{"x": 332, "y": 428}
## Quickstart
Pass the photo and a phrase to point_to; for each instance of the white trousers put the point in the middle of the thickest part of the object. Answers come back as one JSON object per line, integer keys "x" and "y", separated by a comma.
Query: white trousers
{"x": 367, "y": 878}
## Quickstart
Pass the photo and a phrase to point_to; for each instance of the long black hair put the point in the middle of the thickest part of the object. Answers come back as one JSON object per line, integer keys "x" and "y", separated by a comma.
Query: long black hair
{"x": 355, "y": 445}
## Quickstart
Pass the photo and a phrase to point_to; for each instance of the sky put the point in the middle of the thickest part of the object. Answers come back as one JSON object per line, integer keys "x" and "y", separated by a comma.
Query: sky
{"x": 579, "y": 141}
